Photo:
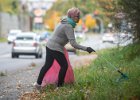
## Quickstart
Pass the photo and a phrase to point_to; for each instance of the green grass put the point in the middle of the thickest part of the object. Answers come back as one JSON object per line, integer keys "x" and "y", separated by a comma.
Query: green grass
{"x": 99, "y": 80}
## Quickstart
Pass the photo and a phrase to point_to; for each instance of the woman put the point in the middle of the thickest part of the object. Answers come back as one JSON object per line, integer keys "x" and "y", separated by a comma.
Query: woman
{"x": 63, "y": 34}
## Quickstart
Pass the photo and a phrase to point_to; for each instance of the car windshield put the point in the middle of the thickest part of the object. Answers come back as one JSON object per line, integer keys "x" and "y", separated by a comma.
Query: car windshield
{"x": 12, "y": 33}
{"x": 24, "y": 38}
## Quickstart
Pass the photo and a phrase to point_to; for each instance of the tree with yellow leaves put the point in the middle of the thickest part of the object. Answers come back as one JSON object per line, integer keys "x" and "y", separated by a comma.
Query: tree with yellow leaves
{"x": 52, "y": 20}
{"x": 90, "y": 22}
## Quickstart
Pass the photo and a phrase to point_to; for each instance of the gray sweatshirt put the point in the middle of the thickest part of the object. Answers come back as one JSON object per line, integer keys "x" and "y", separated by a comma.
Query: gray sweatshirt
{"x": 63, "y": 34}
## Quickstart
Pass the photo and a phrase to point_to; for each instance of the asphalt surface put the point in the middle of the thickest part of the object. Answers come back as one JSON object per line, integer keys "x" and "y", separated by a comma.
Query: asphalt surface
{"x": 13, "y": 85}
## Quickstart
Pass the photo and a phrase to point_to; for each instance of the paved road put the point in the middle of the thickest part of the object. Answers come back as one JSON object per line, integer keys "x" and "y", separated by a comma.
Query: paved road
{"x": 95, "y": 41}
{"x": 7, "y": 64}
{"x": 14, "y": 84}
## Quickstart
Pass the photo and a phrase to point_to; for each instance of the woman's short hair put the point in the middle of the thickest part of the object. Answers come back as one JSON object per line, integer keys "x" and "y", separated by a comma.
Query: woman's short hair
{"x": 72, "y": 12}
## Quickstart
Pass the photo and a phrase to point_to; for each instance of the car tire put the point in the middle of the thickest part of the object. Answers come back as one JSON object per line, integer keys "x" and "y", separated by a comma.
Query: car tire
{"x": 9, "y": 42}
{"x": 40, "y": 56}
{"x": 17, "y": 56}
{"x": 14, "y": 55}
{"x": 37, "y": 55}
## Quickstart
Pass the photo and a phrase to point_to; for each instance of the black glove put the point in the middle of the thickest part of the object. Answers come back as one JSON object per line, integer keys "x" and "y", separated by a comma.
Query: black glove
{"x": 89, "y": 50}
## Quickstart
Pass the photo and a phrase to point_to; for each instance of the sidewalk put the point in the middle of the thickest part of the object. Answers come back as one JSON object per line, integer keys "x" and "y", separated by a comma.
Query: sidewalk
{"x": 12, "y": 86}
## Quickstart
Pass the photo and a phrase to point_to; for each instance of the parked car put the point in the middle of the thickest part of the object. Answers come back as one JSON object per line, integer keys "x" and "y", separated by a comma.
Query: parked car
{"x": 70, "y": 48}
{"x": 12, "y": 35}
{"x": 108, "y": 37}
{"x": 26, "y": 43}
{"x": 124, "y": 37}
{"x": 79, "y": 36}
{"x": 44, "y": 38}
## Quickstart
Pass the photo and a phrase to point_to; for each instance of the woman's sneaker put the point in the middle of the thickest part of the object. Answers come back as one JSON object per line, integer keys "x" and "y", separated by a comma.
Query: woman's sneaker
{"x": 37, "y": 86}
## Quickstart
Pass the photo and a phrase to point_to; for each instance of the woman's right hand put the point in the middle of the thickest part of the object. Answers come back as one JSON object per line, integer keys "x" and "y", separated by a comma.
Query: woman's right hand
{"x": 89, "y": 50}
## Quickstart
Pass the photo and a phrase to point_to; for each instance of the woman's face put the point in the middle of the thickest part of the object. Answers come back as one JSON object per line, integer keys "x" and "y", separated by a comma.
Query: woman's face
{"x": 76, "y": 18}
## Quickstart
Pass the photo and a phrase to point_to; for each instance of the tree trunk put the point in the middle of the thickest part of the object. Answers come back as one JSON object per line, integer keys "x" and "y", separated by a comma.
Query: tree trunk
{"x": 137, "y": 31}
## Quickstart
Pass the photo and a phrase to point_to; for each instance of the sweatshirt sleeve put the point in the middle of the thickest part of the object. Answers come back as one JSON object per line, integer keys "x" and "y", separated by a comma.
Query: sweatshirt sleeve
{"x": 71, "y": 37}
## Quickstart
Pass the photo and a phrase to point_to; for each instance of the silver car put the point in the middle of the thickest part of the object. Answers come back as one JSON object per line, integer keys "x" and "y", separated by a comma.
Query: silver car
{"x": 27, "y": 43}
{"x": 12, "y": 35}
